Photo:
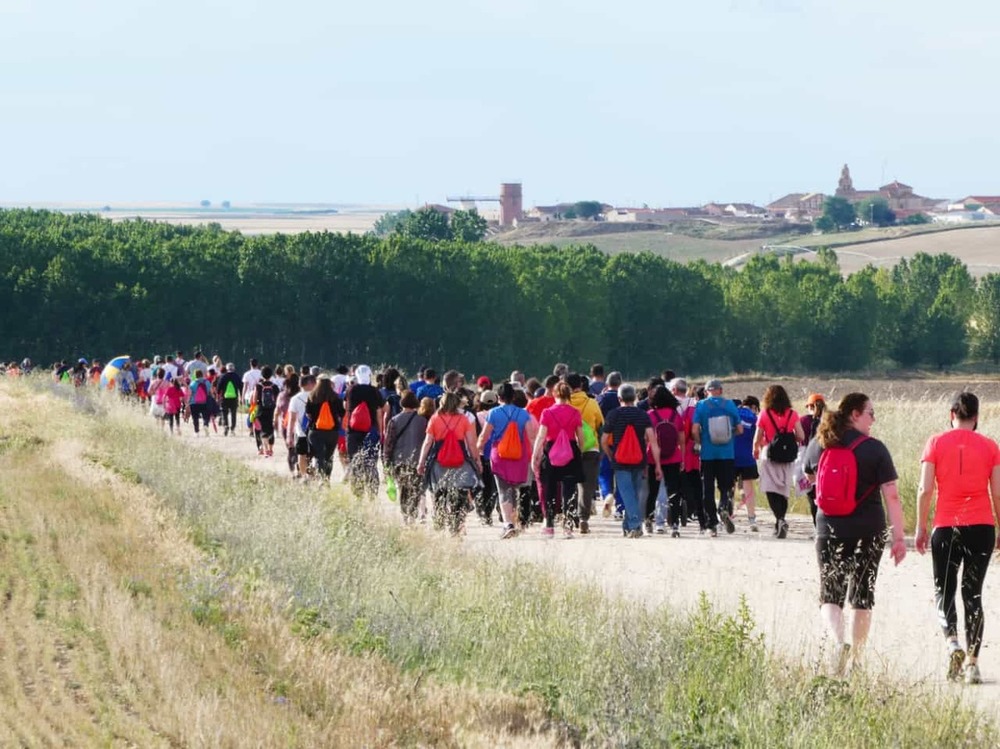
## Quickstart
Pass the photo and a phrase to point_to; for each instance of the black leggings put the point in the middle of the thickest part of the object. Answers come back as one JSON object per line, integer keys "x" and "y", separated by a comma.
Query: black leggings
{"x": 970, "y": 546}
{"x": 779, "y": 506}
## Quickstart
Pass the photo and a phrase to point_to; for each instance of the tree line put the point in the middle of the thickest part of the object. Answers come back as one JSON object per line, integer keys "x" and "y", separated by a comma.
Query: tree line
{"x": 81, "y": 285}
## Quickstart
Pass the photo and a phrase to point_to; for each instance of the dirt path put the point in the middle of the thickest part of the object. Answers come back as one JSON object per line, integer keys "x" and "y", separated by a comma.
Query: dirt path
{"x": 777, "y": 578}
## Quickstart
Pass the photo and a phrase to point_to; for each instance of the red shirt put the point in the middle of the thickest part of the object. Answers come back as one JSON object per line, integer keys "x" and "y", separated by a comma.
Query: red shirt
{"x": 786, "y": 423}
{"x": 963, "y": 463}
{"x": 536, "y": 406}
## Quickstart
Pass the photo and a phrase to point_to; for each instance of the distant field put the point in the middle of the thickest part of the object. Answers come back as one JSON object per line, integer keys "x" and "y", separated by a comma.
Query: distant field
{"x": 660, "y": 242}
{"x": 250, "y": 218}
{"x": 978, "y": 248}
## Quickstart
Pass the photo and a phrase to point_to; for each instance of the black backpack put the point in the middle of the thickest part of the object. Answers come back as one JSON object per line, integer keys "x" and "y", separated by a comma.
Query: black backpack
{"x": 267, "y": 400}
{"x": 783, "y": 448}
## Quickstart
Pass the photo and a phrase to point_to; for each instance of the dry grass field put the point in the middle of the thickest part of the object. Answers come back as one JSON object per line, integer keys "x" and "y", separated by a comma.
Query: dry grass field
{"x": 660, "y": 242}
{"x": 978, "y": 248}
{"x": 183, "y": 592}
{"x": 121, "y": 628}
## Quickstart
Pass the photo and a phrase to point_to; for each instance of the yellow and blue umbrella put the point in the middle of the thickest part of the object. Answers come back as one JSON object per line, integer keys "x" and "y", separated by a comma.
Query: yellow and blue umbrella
{"x": 112, "y": 370}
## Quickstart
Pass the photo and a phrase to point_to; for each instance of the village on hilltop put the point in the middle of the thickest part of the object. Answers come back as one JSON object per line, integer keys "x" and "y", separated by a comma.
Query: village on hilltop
{"x": 796, "y": 207}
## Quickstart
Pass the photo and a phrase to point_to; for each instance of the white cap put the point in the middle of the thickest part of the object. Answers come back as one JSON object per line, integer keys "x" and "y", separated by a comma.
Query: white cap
{"x": 363, "y": 374}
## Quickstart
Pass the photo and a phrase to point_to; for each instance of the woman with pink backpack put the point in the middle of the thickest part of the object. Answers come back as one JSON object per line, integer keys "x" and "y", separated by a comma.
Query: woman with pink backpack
{"x": 664, "y": 498}
{"x": 157, "y": 389}
{"x": 557, "y": 456}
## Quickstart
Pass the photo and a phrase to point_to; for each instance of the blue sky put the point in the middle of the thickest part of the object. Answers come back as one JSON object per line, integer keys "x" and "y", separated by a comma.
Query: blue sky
{"x": 664, "y": 103}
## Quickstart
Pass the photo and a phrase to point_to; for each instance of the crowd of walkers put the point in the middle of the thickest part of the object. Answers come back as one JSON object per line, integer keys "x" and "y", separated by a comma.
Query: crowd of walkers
{"x": 660, "y": 458}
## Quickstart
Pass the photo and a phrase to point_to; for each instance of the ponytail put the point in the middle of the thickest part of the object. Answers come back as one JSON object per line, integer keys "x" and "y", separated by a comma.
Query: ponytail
{"x": 836, "y": 422}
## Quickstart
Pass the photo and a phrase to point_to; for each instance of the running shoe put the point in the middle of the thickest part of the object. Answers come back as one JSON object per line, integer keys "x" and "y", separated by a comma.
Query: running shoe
{"x": 568, "y": 529}
{"x": 549, "y": 532}
{"x": 619, "y": 516}
{"x": 609, "y": 505}
{"x": 782, "y": 529}
{"x": 649, "y": 527}
{"x": 727, "y": 521}
{"x": 753, "y": 526}
{"x": 956, "y": 659}
{"x": 972, "y": 675}
{"x": 660, "y": 530}
{"x": 674, "y": 532}
{"x": 584, "y": 527}
{"x": 713, "y": 532}
{"x": 508, "y": 532}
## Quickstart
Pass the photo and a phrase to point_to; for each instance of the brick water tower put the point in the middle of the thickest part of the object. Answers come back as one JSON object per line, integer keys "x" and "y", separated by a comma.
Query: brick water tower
{"x": 511, "y": 208}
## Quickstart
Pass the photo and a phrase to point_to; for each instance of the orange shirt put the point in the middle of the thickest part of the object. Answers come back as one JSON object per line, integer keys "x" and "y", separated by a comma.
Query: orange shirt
{"x": 963, "y": 462}
{"x": 440, "y": 424}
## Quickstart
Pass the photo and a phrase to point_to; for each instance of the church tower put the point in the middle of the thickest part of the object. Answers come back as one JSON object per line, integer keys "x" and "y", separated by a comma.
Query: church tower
{"x": 845, "y": 187}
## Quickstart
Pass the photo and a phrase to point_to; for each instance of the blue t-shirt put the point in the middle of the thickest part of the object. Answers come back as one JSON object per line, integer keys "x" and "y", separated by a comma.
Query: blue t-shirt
{"x": 609, "y": 402}
{"x": 706, "y": 409}
{"x": 744, "y": 442}
{"x": 499, "y": 418}
{"x": 596, "y": 388}
{"x": 430, "y": 390}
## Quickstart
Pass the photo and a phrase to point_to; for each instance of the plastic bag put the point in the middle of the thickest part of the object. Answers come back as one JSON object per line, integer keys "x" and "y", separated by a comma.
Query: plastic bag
{"x": 802, "y": 482}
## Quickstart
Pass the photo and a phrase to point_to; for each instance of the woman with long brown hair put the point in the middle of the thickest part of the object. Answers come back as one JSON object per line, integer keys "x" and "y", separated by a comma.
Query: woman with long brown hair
{"x": 776, "y": 442}
{"x": 851, "y": 530}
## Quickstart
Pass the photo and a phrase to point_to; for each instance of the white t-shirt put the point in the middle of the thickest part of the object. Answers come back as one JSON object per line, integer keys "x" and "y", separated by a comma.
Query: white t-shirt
{"x": 297, "y": 407}
{"x": 279, "y": 381}
{"x": 250, "y": 380}
{"x": 169, "y": 371}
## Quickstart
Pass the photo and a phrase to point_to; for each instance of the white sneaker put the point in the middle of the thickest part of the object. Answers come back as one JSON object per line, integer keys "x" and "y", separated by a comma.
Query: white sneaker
{"x": 972, "y": 675}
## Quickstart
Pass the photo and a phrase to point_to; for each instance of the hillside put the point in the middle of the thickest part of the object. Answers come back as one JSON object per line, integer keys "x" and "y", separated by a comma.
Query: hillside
{"x": 681, "y": 241}
{"x": 977, "y": 246}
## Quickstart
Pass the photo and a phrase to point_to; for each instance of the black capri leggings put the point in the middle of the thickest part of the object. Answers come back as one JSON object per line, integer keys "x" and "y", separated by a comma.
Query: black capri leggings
{"x": 970, "y": 546}
{"x": 849, "y": 567}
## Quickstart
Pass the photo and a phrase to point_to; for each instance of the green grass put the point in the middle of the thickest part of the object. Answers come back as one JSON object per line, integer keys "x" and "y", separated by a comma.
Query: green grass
{"x": 610, "y": 672}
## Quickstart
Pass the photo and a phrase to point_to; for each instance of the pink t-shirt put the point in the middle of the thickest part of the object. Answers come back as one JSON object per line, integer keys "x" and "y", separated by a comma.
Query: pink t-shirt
{"x": 692, "y": 460}
{"x": 172, "y": 399}
{"x": 963, "y": 463}
{"x": 669, "y": 415}
{"x": 558, "y": 417}
{"x": 786, "y": 423}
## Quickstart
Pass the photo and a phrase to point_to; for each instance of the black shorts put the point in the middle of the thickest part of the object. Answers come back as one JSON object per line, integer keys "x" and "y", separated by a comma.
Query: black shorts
{"x": 849, "y": 567}
{"x": 301, "y": 446}
{"x": 749, "y": 473}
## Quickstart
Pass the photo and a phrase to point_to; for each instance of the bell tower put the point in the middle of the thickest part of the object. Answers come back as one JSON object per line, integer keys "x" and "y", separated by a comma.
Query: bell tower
{"x": 845, "y": 187}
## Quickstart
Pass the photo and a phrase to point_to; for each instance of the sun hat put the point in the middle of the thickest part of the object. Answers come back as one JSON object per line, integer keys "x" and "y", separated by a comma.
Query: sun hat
{"x": 363, "y": 374}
